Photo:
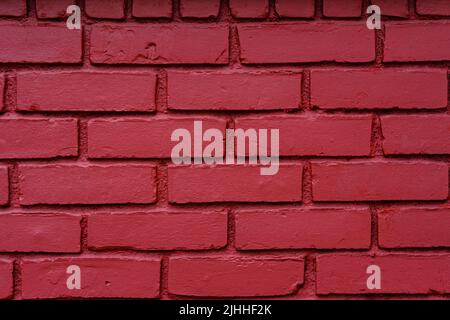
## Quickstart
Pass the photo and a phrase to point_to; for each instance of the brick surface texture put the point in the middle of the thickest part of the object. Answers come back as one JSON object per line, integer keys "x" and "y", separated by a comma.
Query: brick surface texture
{"x": 87, "y": 180}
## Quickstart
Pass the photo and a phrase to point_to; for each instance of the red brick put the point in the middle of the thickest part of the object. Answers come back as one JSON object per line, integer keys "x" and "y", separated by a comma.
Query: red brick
{"x": 342, "y": 8}
{"x": 152, "y": 8}
{"x": 38, "y": 138}
{"x": 433, "y": 7}
{"x": 91, "y": 184}
{"x": 86, "y": 91}
{"x": 160, "y": 44}
{"x": 384, "y": 180}
{"x": 199, "y": 8}
{"x": 39, "y": 233}
{"x": 299, "y": 229}
{"x": 416, "y": 134}
{"x": 33, "y": 44}
{"x": 47, "y": 9}
{"x": 295, "y": 8}
{"x": 13, "y": 8}
{"x": 417, "y": 41}
{"x": 2, "y": 91}
{"x": 108, "y": 9}
{"x": 316, "y": 135}
{"x": 297, "y": 42}
{"x": 393, "y": 8}
{"x": 234, "y": 183}
{"x": 4, "y": 186}
{"x": 414, "y": 227}
{"x": 249, "y": 8}
{"x": 158, "y": 231}
{"x": 234, "y": 276}
{"x": 400, "y": 273}
{"x": 140, "y": 137}
{"x": 101, "y": 277}
{"x": 233, "y": 91}
{"x": 6, "y": 279}
{"x": 379, "y": 88}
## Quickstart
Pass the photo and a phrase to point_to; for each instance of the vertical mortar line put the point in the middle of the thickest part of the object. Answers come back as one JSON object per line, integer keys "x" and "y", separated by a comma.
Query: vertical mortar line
{"x": 82, "y": 139}
{"x": 176, "y": 10}
{"x": 379, "y": 45}
{"x": 127, "y": 9}
{"x": 14, "y": 189}
{"x": 222, "y": 15}
{"x": 305, "y": 104}
{"x": 234, "y": 46}
{"x": 364, "y": 6}
{"x": 82, "y": 5}
{"x": 85, "y": 42}
{"x": 164, "y": 278}
{"x": 412, "y": 9}
{"x": 161, "y": 92}
{"x": 376, "y": 139}
{"x": 31, "y": 9}
{"x": 272, "y": 14}
{"x": 225, "y": 11}
{"x": 234, "y": 49}
{"x": 231, "y": 215}
{"x": 231, "y": 231}
{"x": 374, "y": 246}
{"x": 307, "y": 188}
{"x": 308, "y": 289}
{"x": 162, "y": 184}
{"x": 17, "y": 279}
{"x": 318, "y": 9}
{"x": 84, "y": 234}
{"x": 231, "y": 122}
{"x": 10, "y": 92}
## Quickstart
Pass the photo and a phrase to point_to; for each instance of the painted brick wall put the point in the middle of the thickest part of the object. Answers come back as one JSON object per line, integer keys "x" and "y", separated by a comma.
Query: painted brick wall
{"x": 86, "y": 177}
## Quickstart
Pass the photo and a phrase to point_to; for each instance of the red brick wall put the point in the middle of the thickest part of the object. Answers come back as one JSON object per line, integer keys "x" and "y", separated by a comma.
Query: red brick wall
{"x": 86, "y": 177}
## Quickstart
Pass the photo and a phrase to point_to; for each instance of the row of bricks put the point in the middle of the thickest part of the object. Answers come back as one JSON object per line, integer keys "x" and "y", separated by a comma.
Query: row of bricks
{"x": 331, "y": 181}
{"x": 230, "y": 90}
{"x": 268, "y": 229}
{"x": 193, "y": 43}
{"x": 140, "y": 138}
{"x": 114, "y": 9}
{"x": 226, "y": 276}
